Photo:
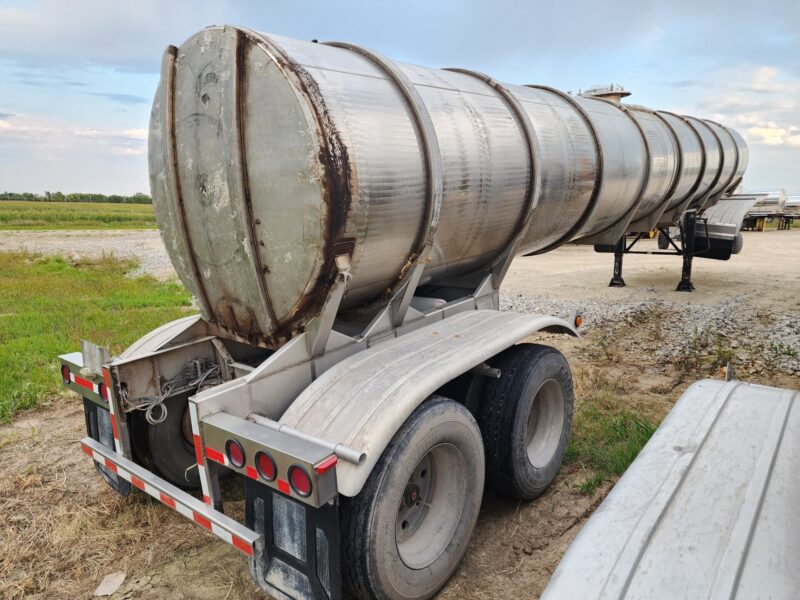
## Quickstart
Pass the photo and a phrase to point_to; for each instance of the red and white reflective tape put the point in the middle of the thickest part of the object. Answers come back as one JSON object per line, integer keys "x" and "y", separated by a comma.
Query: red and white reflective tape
{"x": 84, "y": 383}
{"x": 112, "y": 409}
{"x": 205, "y": 485}
{"x": 178, "y": 501}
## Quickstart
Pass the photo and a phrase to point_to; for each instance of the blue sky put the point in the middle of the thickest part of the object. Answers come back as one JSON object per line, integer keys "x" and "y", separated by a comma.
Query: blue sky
{"x": 77, "y": 77}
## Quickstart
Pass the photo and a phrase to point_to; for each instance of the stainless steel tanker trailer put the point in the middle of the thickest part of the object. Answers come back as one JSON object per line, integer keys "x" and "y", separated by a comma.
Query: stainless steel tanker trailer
{"x": 344, "y": 222}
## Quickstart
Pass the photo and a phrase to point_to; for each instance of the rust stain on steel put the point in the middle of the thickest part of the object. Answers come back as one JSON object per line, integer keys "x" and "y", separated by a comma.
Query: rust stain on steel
{"x": 337, "y": 185}
{"x": 171, "y": 120}
{"x": 243, "y": 45}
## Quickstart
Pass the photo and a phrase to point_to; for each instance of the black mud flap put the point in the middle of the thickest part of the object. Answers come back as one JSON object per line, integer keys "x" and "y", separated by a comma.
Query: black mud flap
{"x": 300, "y": 554}
{"x": 713, "y": 248}
{"x": 98, "y": 426}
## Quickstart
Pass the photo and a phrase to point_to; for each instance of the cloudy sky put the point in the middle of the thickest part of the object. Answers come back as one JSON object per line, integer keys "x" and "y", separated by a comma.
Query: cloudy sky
{"x": 77, "y": 77}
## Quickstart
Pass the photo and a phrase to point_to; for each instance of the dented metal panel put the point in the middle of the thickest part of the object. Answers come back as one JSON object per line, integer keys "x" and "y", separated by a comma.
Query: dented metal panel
{"x": 707, "y": 510}
{"x": 270, "y": 157}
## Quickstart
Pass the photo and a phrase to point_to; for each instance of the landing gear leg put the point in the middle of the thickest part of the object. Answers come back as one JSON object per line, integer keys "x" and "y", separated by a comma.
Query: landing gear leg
{"x": 688, "y": 226}
{"x": 619, "y": 250}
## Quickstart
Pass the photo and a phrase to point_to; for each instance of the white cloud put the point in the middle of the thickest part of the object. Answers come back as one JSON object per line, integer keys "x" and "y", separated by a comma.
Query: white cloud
{"x": 45, "y": 133}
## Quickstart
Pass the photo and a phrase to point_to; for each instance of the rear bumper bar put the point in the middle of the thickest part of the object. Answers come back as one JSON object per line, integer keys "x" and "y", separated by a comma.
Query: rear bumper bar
{"x": 225, "y": 528}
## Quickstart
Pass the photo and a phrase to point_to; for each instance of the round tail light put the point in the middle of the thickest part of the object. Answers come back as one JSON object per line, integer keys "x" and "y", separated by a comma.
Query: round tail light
{"x": 266, "y": 466}
{"x": 235, "y": 453}
{"x": 65, "y": 373}
{"x": 300, "y": 481}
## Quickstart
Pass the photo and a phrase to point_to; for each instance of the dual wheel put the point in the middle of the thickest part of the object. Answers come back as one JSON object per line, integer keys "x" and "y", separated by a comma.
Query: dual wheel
{"x": 406, "y": 532}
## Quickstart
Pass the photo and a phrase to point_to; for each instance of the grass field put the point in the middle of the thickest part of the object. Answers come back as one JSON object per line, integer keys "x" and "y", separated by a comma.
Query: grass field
{"x": 607, "y": 431}
{"x": 48, "y": 305}
{"x": 16, "y": 214}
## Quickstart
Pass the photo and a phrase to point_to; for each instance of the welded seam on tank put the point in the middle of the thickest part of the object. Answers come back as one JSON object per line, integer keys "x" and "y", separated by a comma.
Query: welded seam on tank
{"x": 727, "y": 185}
{"x": 240, "y": 86}
{"x": 663, "y": 205}
{"x": 690, "y": 195}
{"x": 678, "y": 162}
{"x": 712, "y": 185}
{"x": 721, "y": 158}
{"x": 430, "y": 148}
{"x": 172, "y": 52}
{"x": 598, "y": 177}
{"x": 631, "y": 213}
{"x": 534, "y": 180}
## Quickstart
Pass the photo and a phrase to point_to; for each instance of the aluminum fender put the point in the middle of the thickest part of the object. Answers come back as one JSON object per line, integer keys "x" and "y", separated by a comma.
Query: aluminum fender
{"x": 730, "y": 211}
{"x": 363, "y": 400}
{"x": 156, "y": 339}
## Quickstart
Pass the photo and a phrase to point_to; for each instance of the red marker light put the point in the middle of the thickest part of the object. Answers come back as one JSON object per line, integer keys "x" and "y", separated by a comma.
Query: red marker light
{"x": 300, "y": 481}
{"x": 235, "y": 453}
{"x": 266, "y": 466}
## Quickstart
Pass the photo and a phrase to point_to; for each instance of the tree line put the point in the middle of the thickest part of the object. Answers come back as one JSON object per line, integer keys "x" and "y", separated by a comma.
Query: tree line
{"x": 137, "y": 198}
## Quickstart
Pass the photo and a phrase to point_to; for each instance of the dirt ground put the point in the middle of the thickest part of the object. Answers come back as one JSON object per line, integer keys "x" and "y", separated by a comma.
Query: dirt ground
{"x": 62, "y": 529}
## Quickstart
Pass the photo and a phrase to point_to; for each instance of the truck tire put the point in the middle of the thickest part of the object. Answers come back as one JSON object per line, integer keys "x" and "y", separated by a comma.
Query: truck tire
{"x": 738, "y": 244}
{"x": 406, "y": 532}
{"x": 525, "y": 420}
{"x": 170, "y": 445}
{"x": 663, "y": 240}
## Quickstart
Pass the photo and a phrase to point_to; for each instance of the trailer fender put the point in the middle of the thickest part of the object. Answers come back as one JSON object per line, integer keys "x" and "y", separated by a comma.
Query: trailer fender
{"x": 363, "y": 400}
{"x": 169, "y": 333}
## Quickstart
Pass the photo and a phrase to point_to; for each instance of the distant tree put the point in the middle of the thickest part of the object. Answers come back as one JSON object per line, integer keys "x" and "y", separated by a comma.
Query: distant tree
{"x": 137, "y": 198}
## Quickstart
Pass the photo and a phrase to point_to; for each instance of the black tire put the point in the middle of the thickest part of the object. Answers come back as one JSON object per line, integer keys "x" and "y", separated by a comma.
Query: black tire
{"x": 395, "y": 545}
{"x": 663, "y": 240}
{"x": 738, "y": 244}
{"x": 525, "y": 419}
{"x": 170, "y": 450}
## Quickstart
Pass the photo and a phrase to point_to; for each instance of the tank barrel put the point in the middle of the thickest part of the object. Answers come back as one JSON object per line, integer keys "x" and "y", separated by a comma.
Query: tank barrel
{"x": 270, "y": 157}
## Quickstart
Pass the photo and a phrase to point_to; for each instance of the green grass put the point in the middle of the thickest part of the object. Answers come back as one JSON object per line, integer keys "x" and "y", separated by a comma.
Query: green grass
{"x": 15, "y": 214}
{"x": 607, "y": 433}
{"x": 48, "y": 305}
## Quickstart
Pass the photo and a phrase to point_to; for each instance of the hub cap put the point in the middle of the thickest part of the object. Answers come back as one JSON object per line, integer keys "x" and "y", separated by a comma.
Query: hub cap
{"x": 431, "y": 506}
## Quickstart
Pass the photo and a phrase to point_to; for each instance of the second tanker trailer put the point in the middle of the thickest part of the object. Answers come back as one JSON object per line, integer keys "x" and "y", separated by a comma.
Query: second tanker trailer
{"x": 344, "y": 222}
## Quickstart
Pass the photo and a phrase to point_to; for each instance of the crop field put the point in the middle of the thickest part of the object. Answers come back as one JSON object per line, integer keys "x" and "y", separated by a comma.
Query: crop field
{"x": 17, "y": 214}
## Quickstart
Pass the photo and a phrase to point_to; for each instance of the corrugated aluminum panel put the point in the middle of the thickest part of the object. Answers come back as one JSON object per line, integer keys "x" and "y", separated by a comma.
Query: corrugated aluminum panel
{"x": 709, "y": 509}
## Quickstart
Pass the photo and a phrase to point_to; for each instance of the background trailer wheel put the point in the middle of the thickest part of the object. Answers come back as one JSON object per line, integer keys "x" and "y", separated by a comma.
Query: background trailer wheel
{"x": 525, "y": 419}
{"x": 406, "y": 532}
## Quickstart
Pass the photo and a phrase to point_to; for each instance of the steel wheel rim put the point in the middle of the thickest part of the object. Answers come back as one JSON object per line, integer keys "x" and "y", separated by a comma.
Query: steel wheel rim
{"x": 430, "y": 506}
{"x": 545, "y": 422}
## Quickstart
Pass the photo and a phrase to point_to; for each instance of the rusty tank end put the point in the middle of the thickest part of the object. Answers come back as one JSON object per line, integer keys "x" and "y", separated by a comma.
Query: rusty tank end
{"x": 270, "y": 156}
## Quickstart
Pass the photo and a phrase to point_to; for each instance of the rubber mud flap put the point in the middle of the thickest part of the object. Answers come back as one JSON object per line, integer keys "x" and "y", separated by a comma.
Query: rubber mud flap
{"x": 299, "y": 556}
{"x": 98, "y": 426}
